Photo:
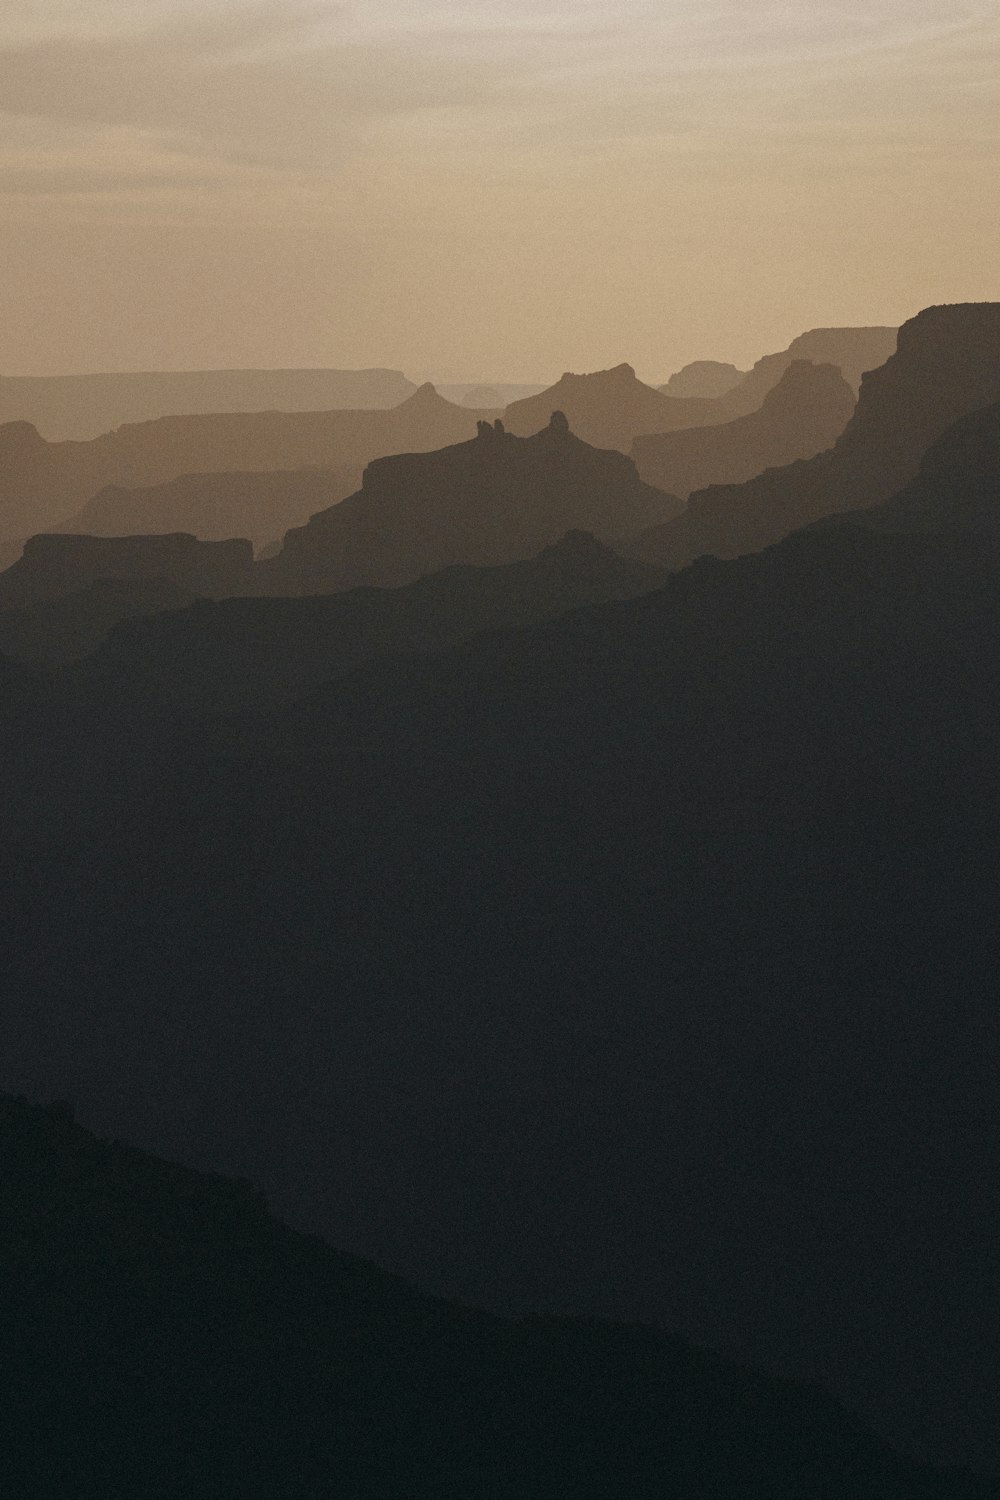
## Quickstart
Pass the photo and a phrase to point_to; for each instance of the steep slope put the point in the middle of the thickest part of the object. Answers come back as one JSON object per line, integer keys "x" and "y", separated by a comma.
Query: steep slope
{"x": 165, "y": 1334}
{"x": 42, "y": 484}
{"x": 496, "y": 499}
{"x": 854, "y": 351}
{"x": 254, "y": 652}
{"x": 803, "y": 415}
{"x": 610, "y": 408}
{"x": 216, "y": 506}
{"x": 947, "y": 364}
{"x": 84, "y": 406}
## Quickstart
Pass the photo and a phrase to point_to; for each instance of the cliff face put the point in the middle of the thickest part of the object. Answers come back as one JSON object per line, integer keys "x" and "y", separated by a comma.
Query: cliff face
{"x": 493, "y": 500}
{"x": 947, "y": 364}
{"x": 804, "y": 414}
{"x": 43, "y": 484}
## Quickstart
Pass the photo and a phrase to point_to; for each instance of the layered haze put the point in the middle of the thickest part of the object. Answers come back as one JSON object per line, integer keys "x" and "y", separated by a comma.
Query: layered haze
{"x": 496, "y": 191}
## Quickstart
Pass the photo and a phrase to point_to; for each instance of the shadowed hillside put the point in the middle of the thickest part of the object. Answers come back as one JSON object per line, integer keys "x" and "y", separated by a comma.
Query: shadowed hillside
{"x": 253, "y": 652}
{"x": 170, "y": 1337}
{"x": 803, "y": 415}
{"x": 947, "y": 364}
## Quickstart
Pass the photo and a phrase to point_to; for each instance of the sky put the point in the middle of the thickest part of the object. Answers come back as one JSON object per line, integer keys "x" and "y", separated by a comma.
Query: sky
{"x": 496, "y": 189}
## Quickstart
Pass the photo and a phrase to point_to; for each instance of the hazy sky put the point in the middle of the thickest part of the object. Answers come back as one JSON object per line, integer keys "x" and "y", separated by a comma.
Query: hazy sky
{"x": 494, "y": 188}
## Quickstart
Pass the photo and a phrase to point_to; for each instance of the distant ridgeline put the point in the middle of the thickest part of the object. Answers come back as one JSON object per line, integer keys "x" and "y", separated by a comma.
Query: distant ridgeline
{"x": 84, "y": 406}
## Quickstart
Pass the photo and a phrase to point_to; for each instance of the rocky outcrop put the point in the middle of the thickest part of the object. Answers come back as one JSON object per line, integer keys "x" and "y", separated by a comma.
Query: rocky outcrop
{"x": 494, "y": 500}
{"x": 804, "y": 414}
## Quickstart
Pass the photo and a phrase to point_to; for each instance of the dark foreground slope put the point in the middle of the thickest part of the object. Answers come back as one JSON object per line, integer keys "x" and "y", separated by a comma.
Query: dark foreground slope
{"x": 164, "y": 1336}
{"x": 497, "y": 499}
{"x": 252, "y": 652}
{"x": 803, "y": 415}
{"x": 947, "y": 364}
{"x": 640, "y": 963}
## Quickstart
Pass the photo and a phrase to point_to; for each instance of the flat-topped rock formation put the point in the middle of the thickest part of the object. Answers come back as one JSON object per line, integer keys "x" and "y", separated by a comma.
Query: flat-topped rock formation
{"x": 496, "y": 499}
{"x": 51, "y": 566}
{"x": 216, "y": 506}
{"x": 854, "y": 351}
{"x": 804, "y": 414}
{"x": 43, "y": 484}
{"x": 83, "y": 406}
{"x": 947, "y": 364}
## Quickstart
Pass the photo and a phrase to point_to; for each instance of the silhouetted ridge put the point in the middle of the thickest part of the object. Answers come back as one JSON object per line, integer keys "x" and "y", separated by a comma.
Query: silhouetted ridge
{"x": 54, "y": 631}
{"x": 492, "y": 500}
{"x": 803, "y": 415}
{"x": 947, "y": 363}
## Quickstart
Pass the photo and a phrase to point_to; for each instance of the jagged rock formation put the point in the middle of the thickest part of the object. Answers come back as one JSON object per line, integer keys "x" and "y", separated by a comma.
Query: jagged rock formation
{"x": 164, "y": 1334}
{"x": 707, "y": 379}
{"x": 610, "y": 408}
{"x": 947, "y": 364}
{"x": 52, "y": 566}
{"x": 43, "y": 484}
{"x": 496, "y": 499}
{"x": 803, "y": 415}
{"x": 83, "y": 406}
{"x": 216, "y": 506}
{"x": 243, "y": 653}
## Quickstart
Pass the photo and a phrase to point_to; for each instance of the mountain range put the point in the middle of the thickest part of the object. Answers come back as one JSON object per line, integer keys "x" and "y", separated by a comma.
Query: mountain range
{"x": 43, "y": 484}
{"x": 803, "y": 415}
{"x": 947, "y": 364}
